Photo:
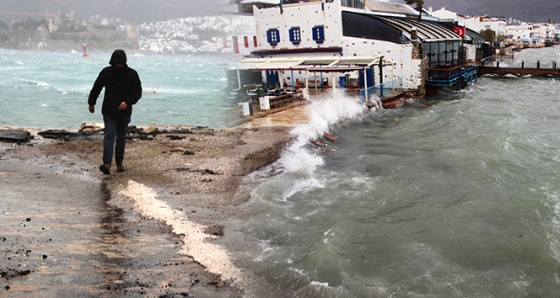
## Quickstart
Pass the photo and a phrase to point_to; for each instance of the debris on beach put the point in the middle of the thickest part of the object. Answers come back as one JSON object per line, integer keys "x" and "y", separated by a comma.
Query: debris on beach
{"x": 56, "y": 134}
{"x": 329, "y": 137}
{"x": 152, "y": 129}
{"x": 90, "y": 127}
{"x": 202, "y": 171}
{"x": 60, "y": 134}
{"x": 20, "y": 136}
{"x": 175, "y": 137}
{"x": 318, "y": 143}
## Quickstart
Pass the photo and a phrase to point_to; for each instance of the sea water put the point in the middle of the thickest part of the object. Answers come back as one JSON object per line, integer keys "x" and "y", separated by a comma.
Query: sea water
{"x": 452, "y": 196}
{"x": 50, "y": 89}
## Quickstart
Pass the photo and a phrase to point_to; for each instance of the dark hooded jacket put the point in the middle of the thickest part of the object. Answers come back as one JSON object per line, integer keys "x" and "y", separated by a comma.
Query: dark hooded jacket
{"x": 121, "y": 84}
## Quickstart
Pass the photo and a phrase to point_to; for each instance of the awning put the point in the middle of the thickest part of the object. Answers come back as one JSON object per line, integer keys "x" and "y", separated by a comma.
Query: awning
{"x": 326, "y": 64}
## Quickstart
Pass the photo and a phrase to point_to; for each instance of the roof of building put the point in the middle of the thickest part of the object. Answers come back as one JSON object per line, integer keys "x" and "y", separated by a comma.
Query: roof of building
{"x": 427, "y": 30}
{"x": 394, "y": 29}
{"x": 269, "y": 2}
{"x": 390, "y": 7}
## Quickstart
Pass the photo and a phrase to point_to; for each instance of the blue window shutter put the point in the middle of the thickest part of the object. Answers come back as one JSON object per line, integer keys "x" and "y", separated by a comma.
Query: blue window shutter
{"x": 295, "y": 35}
{"x": 273, "y": 36}
{"x": 319, "y": 34}
{"x": 269, "y": 36}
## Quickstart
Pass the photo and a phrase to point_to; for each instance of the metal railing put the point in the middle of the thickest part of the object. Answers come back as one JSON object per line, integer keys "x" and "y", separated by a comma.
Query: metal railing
{"x": 448, "y": 77}
{"x": 509, "y": 62}
{"x": 381, "y": 90}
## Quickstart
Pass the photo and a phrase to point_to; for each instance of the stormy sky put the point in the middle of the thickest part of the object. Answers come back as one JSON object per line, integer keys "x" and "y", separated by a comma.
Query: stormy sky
{"x": 524, "y": 10}
{"x": 128, "y": 10}
{"x": 156, "y": 10}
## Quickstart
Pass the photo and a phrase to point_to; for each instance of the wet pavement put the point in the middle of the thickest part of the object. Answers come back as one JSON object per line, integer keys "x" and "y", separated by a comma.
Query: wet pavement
{"x": 291, "y": 117}
{"x": 59, "y": 237}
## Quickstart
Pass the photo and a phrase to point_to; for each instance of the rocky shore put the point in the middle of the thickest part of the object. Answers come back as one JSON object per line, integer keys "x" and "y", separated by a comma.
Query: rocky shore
{"x": 195, "y": 171}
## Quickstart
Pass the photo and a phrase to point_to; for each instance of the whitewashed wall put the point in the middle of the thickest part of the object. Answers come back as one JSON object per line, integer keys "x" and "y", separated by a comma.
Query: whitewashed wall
{"x": 308, "y": 15}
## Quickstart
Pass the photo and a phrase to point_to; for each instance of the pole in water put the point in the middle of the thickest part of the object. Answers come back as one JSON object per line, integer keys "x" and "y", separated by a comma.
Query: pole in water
{"x": 85, "y": 54}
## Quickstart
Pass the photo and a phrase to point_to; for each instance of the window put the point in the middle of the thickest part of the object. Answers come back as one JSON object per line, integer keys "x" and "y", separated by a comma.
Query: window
{"x": 273, "y": 36}
{"x": 319, "y": 34}
{"x": 295, "y": 35}
{"x": 443, "y": 53}
{"x": 353, "y": 3}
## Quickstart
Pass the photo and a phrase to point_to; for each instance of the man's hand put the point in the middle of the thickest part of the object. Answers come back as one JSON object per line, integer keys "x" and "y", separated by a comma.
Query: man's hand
{"x": 91, "y": 109}
{"x": 123, "y": 106}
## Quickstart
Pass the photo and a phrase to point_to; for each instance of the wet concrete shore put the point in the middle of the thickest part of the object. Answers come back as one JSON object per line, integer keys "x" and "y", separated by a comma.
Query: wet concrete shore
{"x": 69, "y": 230}
{"x": 63, "y": 239}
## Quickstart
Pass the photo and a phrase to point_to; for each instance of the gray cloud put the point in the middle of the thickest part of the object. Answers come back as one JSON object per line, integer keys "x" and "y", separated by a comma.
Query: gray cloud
{"x": 524, "y": 10}
{"x": 129, "y": 10}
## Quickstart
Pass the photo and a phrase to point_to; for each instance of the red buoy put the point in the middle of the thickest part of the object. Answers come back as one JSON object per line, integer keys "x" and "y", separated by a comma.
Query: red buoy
{"x": 85, "y": 54}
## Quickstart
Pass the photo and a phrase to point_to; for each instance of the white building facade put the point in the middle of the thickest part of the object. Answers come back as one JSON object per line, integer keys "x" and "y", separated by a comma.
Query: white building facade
{"x": 316, "y": 29}
{"x": 374, "y": 41}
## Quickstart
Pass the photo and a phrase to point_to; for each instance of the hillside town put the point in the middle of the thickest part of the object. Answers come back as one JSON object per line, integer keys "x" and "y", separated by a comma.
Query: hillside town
{"x": 223, "y": 32}
{"x": 506, "y": 31}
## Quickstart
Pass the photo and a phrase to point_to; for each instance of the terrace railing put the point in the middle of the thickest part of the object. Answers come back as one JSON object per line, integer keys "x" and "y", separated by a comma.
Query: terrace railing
{"x": 381, "y": 90}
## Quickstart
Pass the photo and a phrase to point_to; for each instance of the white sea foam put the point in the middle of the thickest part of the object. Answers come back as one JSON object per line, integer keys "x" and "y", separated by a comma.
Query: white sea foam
{"x": 213, "y": 257}
{"x": 298, "y": 161}
{"x": 319, "y": 284}
{"x": 322, "y": 115}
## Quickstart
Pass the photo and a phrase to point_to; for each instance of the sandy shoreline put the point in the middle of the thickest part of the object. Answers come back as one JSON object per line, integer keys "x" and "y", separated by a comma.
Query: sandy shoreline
{"x": 195, "y": 178}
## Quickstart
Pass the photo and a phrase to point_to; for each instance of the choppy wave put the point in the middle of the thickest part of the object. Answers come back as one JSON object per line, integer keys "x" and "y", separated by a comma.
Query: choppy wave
{"x": 298, "y": 161}
{"x": 190, "y": 86}
{"x": 456, "y": 196}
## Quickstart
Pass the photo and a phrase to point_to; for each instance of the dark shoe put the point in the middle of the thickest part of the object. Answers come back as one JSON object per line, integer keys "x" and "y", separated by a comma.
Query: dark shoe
{"x": 105, "y": 168}
{"x": 120, "y": 167}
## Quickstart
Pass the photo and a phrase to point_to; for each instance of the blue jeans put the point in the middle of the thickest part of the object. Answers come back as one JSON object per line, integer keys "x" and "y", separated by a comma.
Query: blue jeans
{"x": 114, "y": 128}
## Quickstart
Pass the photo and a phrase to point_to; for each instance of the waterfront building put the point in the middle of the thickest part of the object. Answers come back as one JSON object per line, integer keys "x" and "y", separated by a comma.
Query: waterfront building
{"x": 531, "y": 35}
{"x": 515, "y": 32}
{"x": 358, "y": 44}
{"x": 482, "y": 23}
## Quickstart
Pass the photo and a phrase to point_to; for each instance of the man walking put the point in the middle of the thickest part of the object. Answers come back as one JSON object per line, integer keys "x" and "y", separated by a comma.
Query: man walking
{"x": 122, "y": 89}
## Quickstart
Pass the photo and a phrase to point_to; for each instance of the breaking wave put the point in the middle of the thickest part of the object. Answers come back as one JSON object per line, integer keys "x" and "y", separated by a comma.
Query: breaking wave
{"x": 299, "y": 161}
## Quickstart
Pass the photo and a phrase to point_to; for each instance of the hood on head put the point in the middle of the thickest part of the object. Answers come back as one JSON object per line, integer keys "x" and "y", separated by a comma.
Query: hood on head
{"x": 118, "y": 57}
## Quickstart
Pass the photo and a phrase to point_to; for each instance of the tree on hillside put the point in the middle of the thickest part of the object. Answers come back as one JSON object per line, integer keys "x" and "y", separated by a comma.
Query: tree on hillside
{"x": 489, "y": 35}
{"x": 29, "y": 24}
{"x": 419, "y": 5}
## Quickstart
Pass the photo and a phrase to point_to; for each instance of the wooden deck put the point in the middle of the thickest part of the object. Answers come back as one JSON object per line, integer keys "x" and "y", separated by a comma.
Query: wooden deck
{"x": 518, "y": 72}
